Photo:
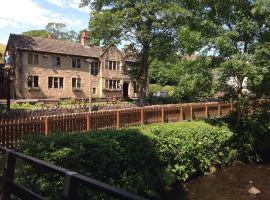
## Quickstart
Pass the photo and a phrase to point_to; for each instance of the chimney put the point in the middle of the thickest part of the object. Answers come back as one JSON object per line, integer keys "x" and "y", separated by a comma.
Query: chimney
{"x": 85, "y": 38}
{"x": 50, "y": 36}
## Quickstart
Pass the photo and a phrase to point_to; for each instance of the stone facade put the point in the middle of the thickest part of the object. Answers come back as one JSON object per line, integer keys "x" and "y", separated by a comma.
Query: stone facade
{"x": 36, "y": 77}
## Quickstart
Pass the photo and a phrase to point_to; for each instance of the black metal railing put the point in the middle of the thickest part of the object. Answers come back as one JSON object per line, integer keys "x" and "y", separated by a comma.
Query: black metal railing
{"x": 72, "y": 180}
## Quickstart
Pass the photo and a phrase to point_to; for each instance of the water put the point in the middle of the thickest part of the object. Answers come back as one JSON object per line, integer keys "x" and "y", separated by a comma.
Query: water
{"x": 229, "y": 184}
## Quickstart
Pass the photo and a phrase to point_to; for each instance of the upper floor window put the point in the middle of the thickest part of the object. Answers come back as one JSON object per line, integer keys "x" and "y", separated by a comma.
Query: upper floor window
{"x": 94, "y": 68}
{"x": 33, "y": 59}
{"x": 33, "y": 81}
{"x": 76, "y": 63}
{"x": 56, "y": 82}
{"x": 76, "y": 83}
{"x": 56, "y": 61}
{"x": 112, "y": 65}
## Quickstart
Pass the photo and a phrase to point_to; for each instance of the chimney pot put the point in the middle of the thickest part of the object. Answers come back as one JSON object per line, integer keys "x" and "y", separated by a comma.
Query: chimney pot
{"x": 50, "y": 36}
{"x": 85, "y": 38}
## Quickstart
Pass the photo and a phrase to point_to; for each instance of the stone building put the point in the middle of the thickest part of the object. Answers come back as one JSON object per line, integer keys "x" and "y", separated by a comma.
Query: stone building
{"x": 50, "y": 68}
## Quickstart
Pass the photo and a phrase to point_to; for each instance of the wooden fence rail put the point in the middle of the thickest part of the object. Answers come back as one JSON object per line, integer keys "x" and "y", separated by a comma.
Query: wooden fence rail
{"x": 13, "y": 131}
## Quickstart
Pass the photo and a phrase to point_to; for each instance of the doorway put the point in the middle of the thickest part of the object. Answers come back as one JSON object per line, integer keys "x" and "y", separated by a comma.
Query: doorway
{"x": 125, "y": 90}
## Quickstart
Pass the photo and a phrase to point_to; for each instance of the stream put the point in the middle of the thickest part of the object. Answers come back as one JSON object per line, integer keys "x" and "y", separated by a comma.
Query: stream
{"x": 231, "y": 183}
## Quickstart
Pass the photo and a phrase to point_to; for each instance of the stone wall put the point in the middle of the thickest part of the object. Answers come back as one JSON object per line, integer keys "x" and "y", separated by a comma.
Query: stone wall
{"x": 45, "y": 69}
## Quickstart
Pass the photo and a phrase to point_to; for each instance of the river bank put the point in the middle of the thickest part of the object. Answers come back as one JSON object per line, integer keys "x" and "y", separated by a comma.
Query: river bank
{"x": 232, "y": 183}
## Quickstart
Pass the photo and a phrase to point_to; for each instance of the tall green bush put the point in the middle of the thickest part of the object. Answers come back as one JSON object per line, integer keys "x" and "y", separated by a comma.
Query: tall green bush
{"x": 141, "y": 160}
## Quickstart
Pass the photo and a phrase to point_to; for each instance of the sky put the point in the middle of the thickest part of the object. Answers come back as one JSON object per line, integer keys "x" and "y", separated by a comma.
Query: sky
{"x": 17, "y": 16}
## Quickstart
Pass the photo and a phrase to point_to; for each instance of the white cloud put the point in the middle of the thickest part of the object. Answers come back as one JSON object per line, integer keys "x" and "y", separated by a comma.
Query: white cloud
{"x": 75, "y": 4}
{"x": 23, "y": 12}
{"x": 28, "y": 14}
{"x": 70, "y": 4}
{"x": 59, "y": 3}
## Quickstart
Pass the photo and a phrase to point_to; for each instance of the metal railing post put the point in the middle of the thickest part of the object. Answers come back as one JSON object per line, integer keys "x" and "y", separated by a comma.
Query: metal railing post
{"x": 8, "y": 174}
{"x": 70, "y": 191}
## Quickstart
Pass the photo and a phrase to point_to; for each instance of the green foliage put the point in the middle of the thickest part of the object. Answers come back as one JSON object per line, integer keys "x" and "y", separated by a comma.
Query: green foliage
{"x": 255, "y": 128}
{"x": 36, "y": 33}
{"x": 162, "y": 72}
{"x": 59, "y": 31}
{"x": 195, "y": 79}
{"x": 262, "y": 61}
{"x": 141, "y": 160}
{"x": 2, "y": 52}
{"x": 154, "y": 88}
{"x": 149, "y": 26}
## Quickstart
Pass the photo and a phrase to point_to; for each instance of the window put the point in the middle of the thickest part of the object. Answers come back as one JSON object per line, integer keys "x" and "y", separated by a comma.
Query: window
{"x": 32, "y": 81}
{"x": 33, "y": 59}
{"x": 76, "y": 63}
{"x": 76, "y": 83}
{"x": 94, "y": 90}
{"x": 56, "y": 61}
{"x": 112, "y": 65}
{"x": 56, "y": 82}
{"x": 94, "y": 68}
{"x": 112, "y": 84}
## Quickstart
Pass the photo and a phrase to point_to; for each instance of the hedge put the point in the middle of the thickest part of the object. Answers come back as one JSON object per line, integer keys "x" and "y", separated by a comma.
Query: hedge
{"x": 141, "y": 160}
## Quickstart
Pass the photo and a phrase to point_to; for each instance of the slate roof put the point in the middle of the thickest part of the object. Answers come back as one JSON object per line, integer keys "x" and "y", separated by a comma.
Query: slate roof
{"x": 53, "y": 46}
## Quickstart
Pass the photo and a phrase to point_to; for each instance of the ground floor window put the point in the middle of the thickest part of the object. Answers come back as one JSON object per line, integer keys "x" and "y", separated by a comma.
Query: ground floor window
{"x": 94, "y": 90}
{"x": 112, "y": 84}
{"x": 76, "y": 83}
{"x": 56, "y": 82}
{"x": 33, "y": 81}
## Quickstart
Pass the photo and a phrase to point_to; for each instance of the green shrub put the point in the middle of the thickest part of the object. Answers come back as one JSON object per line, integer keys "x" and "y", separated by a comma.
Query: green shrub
{"x": 141, "y": 160}
{"x": 169, "y": 89}
{"x": 154, "y": 88}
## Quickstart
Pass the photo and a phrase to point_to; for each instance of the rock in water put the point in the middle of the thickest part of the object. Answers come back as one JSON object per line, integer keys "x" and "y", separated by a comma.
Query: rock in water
{"x": 254, "y": 191}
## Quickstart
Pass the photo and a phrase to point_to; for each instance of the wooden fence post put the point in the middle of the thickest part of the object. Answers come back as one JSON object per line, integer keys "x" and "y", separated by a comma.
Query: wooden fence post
{"x": 231, "y": 107}
{"x": 219, "y": 110}
{"x": 142, "y": 116}
{"x": 88, "y": 121}
{"x": 206, "y": 111}
{"x": 46, "y": 126}
{"x": 118, "y": 119}
{"x": 181, "y": 113}
{"x": 162, "y": 114}
{"x": 191, "y": 113}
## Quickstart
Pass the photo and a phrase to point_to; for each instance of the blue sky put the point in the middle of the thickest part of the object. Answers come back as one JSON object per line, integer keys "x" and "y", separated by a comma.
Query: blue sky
{"x": 17, "y": 16}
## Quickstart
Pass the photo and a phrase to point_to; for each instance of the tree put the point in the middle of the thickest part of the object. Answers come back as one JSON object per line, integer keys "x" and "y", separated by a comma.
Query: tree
{"x": 236, "y": 27}
{"x": 144, "y": 24}
{"x": 60, "y": 32}
{"x": 36, "y": 33}
{"x": 194, "y": 79}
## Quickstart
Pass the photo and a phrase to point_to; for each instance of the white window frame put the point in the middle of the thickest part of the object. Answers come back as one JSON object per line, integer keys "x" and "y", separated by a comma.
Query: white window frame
{"x": 55, "y": 80}
{"x": 78, "y": 83}
{"x": 111, "y": 84}
{"x": 32, "y": 77}
{"x": 112, "y": 65}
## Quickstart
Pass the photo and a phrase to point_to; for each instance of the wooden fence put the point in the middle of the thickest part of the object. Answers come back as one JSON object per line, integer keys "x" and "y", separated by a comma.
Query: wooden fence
{"x": 13, "y": 131}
